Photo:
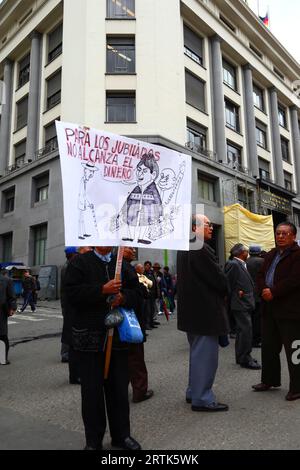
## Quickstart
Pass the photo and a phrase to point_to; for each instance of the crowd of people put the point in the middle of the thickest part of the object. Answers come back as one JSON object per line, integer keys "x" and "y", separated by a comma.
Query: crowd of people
{"x": 254, "y": 299}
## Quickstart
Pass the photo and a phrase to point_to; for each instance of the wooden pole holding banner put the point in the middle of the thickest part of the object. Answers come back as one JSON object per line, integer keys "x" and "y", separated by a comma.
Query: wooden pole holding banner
{"x": 110, "y": 332}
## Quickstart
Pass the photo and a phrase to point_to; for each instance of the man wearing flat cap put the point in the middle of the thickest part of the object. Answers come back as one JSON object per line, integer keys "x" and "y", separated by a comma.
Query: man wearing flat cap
{"x": 83, "y": 202}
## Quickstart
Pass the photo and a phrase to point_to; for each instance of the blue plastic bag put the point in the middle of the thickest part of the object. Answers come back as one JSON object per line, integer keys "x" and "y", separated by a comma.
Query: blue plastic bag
{"x": 130, "y": 330}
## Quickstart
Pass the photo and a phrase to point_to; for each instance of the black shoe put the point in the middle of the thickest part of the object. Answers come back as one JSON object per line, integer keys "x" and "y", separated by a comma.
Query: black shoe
{"x": 64, "y": 360}
{"x": 127, "y": 239}
{"x": 251, "y": 365}
{"x": 188, "y": 400}
{"x": 128, "y": 444}
{"x": 154, "y": 326}
{"x": 156, "y": 323}
{"x": 87, "y": 235}
{"x": 147, "y": 395}
{"x": 212, "y": 407}
{"x": 145, "y": 242}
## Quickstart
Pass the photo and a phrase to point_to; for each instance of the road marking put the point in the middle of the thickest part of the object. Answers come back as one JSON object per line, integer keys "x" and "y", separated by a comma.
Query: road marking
{"x": 28, "y": 318}
{"x": 47, "y": 315}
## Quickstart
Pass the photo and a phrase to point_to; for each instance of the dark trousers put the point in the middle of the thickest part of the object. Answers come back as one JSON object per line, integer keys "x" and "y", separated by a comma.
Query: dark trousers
{"x": 243, "y": 342}
{"x": 256, "y": 324}
{"x": 138, "y": 375}
{"x": 28, "y": 299}
{"x": 73, "y": 363}
{"x": 97, "y": 393}
{"x": 275, "y": 334}
{"x": 4, "y": 338}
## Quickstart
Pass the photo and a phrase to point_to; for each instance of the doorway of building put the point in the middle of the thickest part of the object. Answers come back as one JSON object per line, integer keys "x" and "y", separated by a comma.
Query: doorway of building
{"x": 278, "y": 218}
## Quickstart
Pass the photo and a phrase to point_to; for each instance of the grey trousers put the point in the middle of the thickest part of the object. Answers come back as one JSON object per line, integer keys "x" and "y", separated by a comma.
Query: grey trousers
{"x": 243, "y": 342}
{"x": 204, "y": 354}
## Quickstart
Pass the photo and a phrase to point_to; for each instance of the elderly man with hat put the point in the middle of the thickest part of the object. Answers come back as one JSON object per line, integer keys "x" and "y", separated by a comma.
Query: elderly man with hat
{"x": 254, "y": 264}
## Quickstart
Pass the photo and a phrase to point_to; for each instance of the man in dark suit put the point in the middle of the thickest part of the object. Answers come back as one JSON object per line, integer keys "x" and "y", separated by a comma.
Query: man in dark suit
{"x": 241, "y": 304}
{"x": 201, "y": 291}
{"x": 279, "y": 286}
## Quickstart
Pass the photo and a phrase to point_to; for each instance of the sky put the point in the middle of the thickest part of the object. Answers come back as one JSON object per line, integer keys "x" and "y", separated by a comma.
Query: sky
{"x": 284, "y": 20}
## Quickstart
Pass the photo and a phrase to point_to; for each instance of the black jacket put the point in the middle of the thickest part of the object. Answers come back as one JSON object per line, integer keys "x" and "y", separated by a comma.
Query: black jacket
{"x": 84, "y": 279}
{"x": 254, "y": 264}
{"x": 7, "y": 302}
{"x": 286, "y": 288}
{"x": 201, "y": 291}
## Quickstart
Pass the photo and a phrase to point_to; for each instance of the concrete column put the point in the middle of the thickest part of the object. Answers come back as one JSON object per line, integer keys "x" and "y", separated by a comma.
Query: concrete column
{"x": 250, "y": 121}
{"x": 296, "y": 143}
{"x": 34, "y": 94}
{"x": 218, "y": 98}
{"x": 5, "y": 129}
{"x": 275, "y": 133}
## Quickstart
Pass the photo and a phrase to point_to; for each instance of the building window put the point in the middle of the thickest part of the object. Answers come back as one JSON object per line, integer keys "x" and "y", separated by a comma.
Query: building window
{"x": 120, "y": 107}
{"x": 20, "y": 152}
{"x": 120, "y": 9}
{"x": 120, "y": 55}
{"x": 196, "y": 136}
{"x": 229, "y": 75}
{"x": 256, "y": 51}
{"x": 282, "y": 117}
{"x": 54, "y": 90}
{"x": 258, "y": 97}
{"x": 245, "y": 198}
{"x": 264, "y": 169}
{"x": 39, "y": 244}
{"x": 234, "y": 155}
{"x": 288, "y": 182}
{"x": 6, "y": 242}
{"x": 285, "y": 149}
{"x": 195, "y": 91}
{"x": 193, "y": 46}
{"x": 206, "y": 188}
{"x": 51, "y": 137}
{"x": 9, "y": 200}
{"x": 22, "y": 112}
{"x": 227, "y": 23}
{"x": 297, "y": 218}
{"x": 55, "y": 43}
{"x": 232, "y": 116}
{"x": 41, "y": 187}
{"x": 261, "y": 134}
{"x": 24, "y": 71}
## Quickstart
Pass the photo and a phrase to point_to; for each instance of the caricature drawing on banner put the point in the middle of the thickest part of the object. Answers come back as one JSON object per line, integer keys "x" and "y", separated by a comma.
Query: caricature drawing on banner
{"x": 83, "y": 203}
{"x": 129, "y": 192}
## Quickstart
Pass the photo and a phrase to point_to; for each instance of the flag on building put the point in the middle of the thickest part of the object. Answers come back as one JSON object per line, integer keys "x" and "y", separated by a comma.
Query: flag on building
{"x": 265, "y": 19}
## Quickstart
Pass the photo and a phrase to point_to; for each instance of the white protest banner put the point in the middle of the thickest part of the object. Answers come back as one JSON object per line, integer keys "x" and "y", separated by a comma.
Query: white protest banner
{"x": 121, "y": 191}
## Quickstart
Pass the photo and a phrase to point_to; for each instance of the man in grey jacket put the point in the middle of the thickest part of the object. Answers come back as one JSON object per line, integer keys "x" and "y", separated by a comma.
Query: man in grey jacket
{"x": 241, "y": 304}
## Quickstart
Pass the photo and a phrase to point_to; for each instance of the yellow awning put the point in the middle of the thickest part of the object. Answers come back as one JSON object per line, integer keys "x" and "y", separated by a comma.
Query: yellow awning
{"x": 243, "y": 226}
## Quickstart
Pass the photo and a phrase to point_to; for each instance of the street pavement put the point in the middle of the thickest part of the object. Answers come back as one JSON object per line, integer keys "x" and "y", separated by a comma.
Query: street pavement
{"x": 40, "y": 411}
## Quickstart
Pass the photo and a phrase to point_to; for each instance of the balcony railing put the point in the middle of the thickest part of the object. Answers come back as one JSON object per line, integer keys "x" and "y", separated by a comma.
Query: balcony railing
{"x": 43, "y": 152}
{"x": 202, "y": 151}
